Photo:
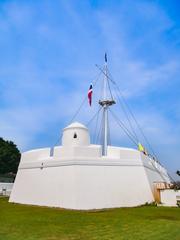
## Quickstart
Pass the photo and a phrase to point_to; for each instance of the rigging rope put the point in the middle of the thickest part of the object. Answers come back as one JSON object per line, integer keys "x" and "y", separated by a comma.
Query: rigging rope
{"x": 120, "y": 123}
{"x": 123, "y": 108}
{"x": 157, "y": 170}
{"x": 84, "y": 100}
{"x": 79, "y": 108}
{"x": 109, "y": 135}
{"x": 87, "y": 124}
{"x": 96, "y": 127}
{"x": 126, "y": 114}
{"x": 138, "y": 125}
{"x": 132, "y": 115}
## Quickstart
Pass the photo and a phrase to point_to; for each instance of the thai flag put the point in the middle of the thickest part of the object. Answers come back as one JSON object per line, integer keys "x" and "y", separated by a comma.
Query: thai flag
{"x": 90, "y": 94}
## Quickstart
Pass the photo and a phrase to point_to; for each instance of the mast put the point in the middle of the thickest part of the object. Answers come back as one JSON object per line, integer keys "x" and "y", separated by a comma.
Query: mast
{"x": 105, "y": 102}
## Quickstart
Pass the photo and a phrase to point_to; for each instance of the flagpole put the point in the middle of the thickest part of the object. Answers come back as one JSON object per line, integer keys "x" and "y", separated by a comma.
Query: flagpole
{"x": 105, "y": 103}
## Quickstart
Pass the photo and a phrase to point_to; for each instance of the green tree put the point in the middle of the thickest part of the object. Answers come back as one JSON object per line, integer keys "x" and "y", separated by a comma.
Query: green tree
{"x": 9, "y": 157}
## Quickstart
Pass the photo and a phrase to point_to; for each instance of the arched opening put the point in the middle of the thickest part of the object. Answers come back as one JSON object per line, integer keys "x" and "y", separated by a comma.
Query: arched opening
{"x": 75, "y": 135}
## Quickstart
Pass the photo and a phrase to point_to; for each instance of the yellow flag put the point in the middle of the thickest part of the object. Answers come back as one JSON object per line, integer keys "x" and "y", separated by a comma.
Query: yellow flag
{"x": 140, "y": 147}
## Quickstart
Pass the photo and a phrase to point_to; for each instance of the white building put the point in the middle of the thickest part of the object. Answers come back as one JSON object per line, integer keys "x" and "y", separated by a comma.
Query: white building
{"x": 5, "y": 188}
{"x": 77, "y": 176}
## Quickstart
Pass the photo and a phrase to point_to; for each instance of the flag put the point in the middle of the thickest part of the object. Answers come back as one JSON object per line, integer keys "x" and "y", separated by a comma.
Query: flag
{"x": 90, "y": 94}
{"x": 105, "y": 57}
{"x": 140, "y": 147}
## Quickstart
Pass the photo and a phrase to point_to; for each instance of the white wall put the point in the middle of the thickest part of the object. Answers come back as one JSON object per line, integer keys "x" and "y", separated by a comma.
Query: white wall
{"x": 169, "y": 197}
{"x": 83, "y": 179}
{"x": 82, "y": 184}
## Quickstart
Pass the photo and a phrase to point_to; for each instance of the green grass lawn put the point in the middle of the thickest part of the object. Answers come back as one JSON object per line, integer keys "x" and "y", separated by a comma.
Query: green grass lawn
{"x": 22, "y": 222}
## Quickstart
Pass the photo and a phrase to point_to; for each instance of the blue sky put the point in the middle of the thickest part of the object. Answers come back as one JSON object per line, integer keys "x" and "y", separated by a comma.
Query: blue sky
{"x": 48, "y": 54}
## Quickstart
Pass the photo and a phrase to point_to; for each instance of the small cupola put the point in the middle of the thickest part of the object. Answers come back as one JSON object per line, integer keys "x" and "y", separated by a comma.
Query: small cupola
{"x": 76, "y": 134}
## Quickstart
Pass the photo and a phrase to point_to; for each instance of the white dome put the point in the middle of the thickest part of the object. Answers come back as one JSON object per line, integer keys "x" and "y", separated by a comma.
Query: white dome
{"x": 76, "y": 125}
{"x": 76, "y": 134}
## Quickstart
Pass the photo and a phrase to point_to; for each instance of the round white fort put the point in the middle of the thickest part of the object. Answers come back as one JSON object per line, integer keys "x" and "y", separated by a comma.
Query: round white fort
{"x": 75, "y": 134}
{"x": 77, "y": 176}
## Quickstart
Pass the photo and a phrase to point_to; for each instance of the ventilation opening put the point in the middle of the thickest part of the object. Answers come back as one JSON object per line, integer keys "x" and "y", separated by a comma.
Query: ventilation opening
{"x": 75, "y": 135}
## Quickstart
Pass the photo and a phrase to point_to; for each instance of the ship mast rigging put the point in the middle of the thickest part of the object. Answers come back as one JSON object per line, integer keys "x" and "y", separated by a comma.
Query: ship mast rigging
{"x": 106, "y": 101}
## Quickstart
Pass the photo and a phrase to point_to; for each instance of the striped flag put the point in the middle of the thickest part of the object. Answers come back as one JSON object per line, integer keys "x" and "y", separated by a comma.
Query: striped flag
{"x": 90, "y": 94}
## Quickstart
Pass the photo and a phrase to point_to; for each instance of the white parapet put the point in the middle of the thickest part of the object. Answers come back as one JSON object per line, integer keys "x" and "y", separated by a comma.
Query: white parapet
{"x": 36, "y": 154}
{"x": 90, "y": 151}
